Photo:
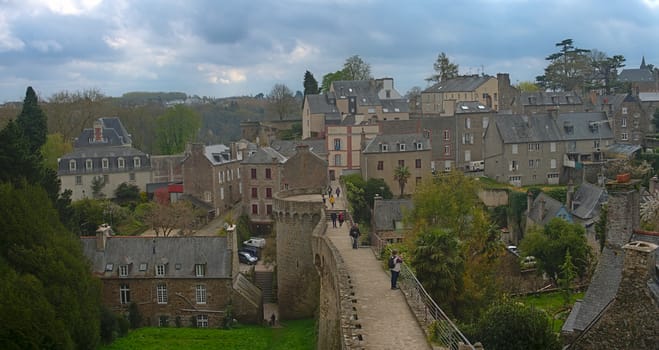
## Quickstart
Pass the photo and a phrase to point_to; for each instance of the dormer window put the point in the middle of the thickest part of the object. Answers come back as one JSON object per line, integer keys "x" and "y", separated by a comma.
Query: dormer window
{"x": 121, "y": 163}
{"x": 419, "y": 146}
{"x": 89, "y": 164}
{"x": 137, "y": 162}
{"x": 160, "y": 270}
{"x": 105, "y": 163}
{"x": 384, "y": 147}
{"x": 72, "y": 165}
{"x": 401, "y": 147}
{"x": 200, "y": 270}
{"x": 123, "y": 271}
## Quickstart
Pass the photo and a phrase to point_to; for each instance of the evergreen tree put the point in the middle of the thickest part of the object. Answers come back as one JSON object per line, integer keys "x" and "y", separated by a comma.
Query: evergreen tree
{"x": 444, "y": 69}
{"x": 32, "y": 122}
{"x": 310, "y": 84}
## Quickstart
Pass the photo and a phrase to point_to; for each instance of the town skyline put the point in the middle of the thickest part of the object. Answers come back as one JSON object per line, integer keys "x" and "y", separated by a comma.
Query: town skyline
{"x": 245, "y": 49}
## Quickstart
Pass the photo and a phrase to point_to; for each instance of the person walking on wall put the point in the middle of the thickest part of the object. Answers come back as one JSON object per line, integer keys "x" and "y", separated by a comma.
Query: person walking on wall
{"x": 322, "y": 195}
{"x": 338, "y": 192}
{"x": 341, "y": 219}
{"x": 395, "y": 260}
{"x": 331, "y": 200}
{"x": 354, "y": 234}
{"x": 333, "y": 216}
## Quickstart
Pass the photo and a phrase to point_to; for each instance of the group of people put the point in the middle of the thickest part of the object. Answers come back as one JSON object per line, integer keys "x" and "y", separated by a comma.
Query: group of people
{"x": 330, "y": 195}
{"x": 396, "y": 258}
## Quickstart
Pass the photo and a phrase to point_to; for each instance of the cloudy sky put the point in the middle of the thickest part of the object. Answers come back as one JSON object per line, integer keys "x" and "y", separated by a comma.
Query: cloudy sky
{"x": 226, "y": 48}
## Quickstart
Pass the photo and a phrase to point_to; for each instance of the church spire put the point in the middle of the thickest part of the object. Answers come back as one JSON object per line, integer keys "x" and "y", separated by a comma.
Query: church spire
{"x": 643, "y": 66}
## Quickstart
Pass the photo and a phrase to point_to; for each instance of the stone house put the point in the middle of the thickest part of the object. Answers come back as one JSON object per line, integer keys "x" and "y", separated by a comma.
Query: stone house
{"x": 387, "y": 220}
{"x": 103, "y": 155}
{"x": 262, "y": 179}
{"x": 384, "y": 153}
{"x": 629, "y": 121}
{"x": 212, "y": 178}
{"x": 620, "y": 309}
{"x": 442, "y": 98}
{"x": 374, "y": 99}
{"x": 544, "y": 208}
{"x": 471, "y": 121}
{"x": 545, "y": 149}
{"x": 312, "y": 165}
{"x": 174, "y": 281}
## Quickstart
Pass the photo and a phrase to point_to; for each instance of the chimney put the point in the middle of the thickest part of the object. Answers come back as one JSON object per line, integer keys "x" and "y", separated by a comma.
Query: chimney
{"x": 232, "y": 246}
{"x": 623, "y": 212}
{"x": 301, "y": 148}
{"x": 98, "y": 130}
{"x": 570, "y": 195}
{"x": 362, "y": 140}
{"x": 102, "y": 234}
{"x": 638, "y": 268}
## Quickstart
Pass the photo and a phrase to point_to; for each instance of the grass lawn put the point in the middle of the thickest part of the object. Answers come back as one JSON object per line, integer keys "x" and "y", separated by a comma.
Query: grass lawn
{"x": 293, "y": 335}
{"x": 554, "y": 305}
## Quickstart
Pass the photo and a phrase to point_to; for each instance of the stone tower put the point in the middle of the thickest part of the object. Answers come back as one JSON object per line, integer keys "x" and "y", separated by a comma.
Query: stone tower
{"x": 297, "y": 212}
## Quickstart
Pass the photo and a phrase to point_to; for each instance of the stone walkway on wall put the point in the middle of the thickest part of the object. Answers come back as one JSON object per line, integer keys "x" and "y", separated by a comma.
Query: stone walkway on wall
{"x": 386, "y": 320}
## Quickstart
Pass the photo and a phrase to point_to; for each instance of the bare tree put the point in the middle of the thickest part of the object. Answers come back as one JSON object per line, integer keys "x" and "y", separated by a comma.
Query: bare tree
{"x": 282, "y": 101}
{"x": 356, "y": 69}
{"x": 166, "y": 219}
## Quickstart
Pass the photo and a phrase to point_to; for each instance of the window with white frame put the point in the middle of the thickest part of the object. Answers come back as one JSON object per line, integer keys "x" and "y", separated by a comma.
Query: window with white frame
{"x": 530, "y": 163}
{"x": 337, "y": 144}
{"x": 121, "y": 163}
{"x": 552, "y": 175}
{"x": 105, "y": 163}
{"x": 131, "y": 176}
{"x": 514, "y": 148}
{"x": 447, "y": 135}
{"x": 220, "y": 176}
{"x": 337, "y": 159}
{"x": 137, "y": 162}
{"x": 143, "y": 266}
{"x": 447, "y": 150}
{"x": 207, "y": 196}
{"x": 384, "y": 147}
{"x": 238, "y": 173}
{"x": 467, "y": 155}
{"x": 123, "y": 270}
{"x": 419, "y": 146}
{"x": 401, "y": 146}
{"x": 78, "y": 180}
{"x": 552, "y": 147}
{"x": 467, "y": 123}
{"x": 552, "y": 163}
{"x": 624, "y": 110}
{"x": 624, "y": 136}
{"x": 161, "y": 293}
{"x": 486, "y": 122}
{"x": 160, "y": 270}
{"x": 623, "y": 122}
{"x": 202, "y": 321}
{"x": 72, "y": 165}
{"x": 201, "y": 294}
{"x": 514, "y": 165}
{"x": 124, "y": 294}
{"x": 240, "y": 188}
{"x": 200, "y": 270}
{"x": 89, "y": 164}
{"x": 221, "y": 193}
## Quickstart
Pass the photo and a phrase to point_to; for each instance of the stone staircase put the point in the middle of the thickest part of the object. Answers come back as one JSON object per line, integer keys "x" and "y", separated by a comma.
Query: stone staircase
{"x": 263, "y": 280}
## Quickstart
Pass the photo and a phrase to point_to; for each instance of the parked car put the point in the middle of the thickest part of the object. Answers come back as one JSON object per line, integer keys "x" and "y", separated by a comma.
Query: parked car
{"x": 253, "y": 251}
{"x": 513, "y": 249}
{"x": 528, "y": 262}
{"x": 246, "y": 258}
{"x": 255, "y": 242}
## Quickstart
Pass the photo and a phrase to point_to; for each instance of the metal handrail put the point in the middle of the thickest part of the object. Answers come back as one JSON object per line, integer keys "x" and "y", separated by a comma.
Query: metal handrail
{"x": 447, "y": 332}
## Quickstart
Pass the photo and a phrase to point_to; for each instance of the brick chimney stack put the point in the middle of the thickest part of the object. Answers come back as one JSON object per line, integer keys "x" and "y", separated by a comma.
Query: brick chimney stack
{"x": 639, "y": 266}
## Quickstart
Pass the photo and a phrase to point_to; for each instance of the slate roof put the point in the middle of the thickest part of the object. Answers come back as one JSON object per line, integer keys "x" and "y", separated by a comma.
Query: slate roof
{"x": 614, "y": 100}
{"x": 459, "y": 84}
{"x": 322, "y": 104}
{"x": 134, "y": 251}
{"x": 264, "y": 155}
{"x": 590, "y": 197}
{"x": 410, "y": 141}
{"x": 100, "y": 152}
{"x": 113, "y": 131}
{"x": 548, "y": 98}
{"x": 544, "y": 128}
{"x": 636, "y": 75}
{"x": 218, "y": 154}
{"x": 387, "y": 211}
{"x": 602, "y": 289}
{"x": 582, "y": 130}
{"x": 287, "y": 148}
{"x": 471, "y": 107}
{"x": 648, "y": 96}
{"x": 365, "y": 91}
{"x": 524, "y": 129}
{"x": 551, "y": 210}
{"x": 395, "y": 106}
{"x": 624, "y": 150}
